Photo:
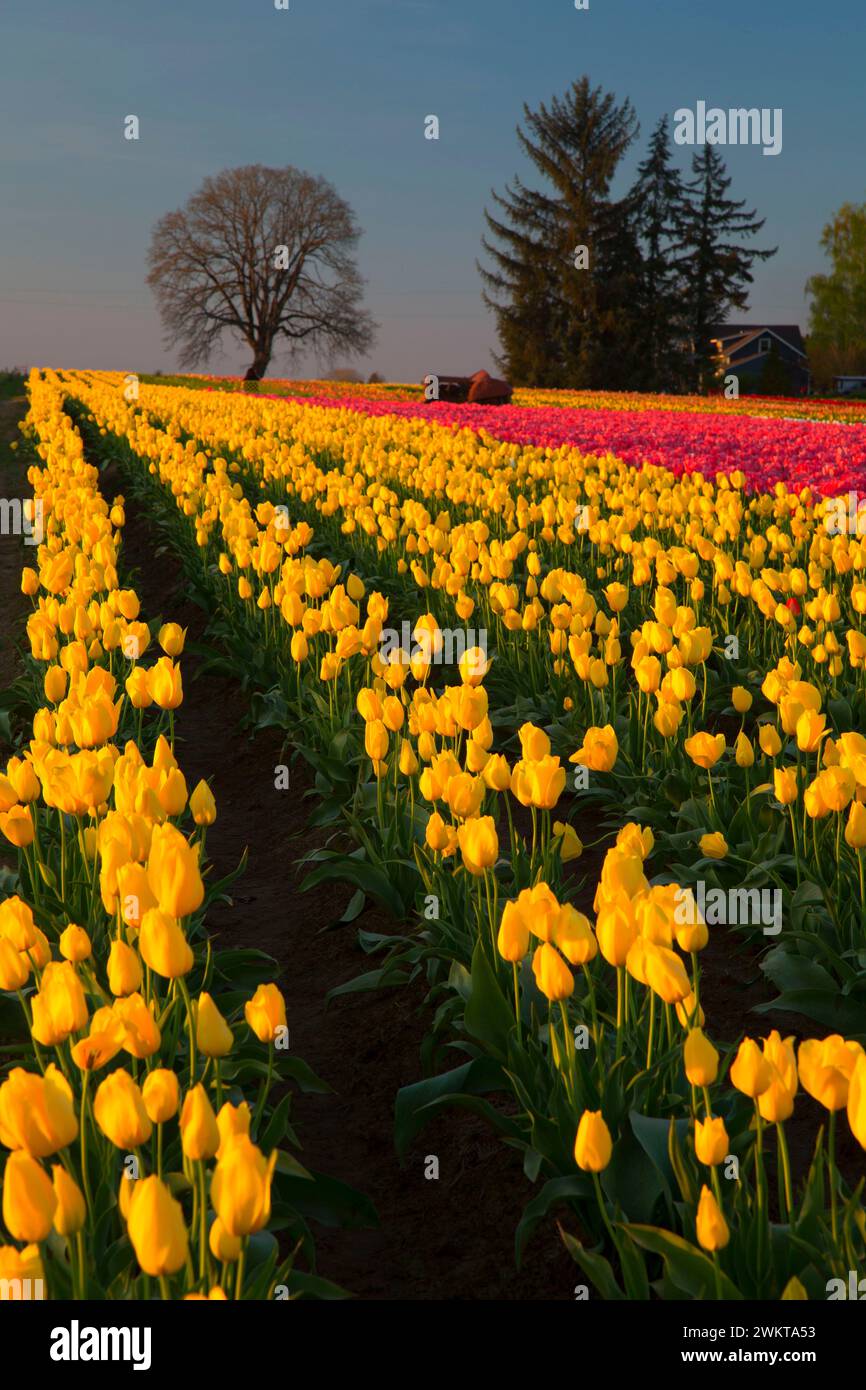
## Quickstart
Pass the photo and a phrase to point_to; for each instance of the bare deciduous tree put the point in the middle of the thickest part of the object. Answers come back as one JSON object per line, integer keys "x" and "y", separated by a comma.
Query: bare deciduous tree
{"x": 264, "y": 254}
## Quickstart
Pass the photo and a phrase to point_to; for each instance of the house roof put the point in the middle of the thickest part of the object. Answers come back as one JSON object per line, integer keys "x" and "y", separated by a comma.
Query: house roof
{"x": 733, "y": 335}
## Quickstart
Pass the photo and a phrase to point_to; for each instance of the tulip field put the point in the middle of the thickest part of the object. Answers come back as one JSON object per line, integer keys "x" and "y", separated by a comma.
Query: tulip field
{"x": 577, "y": 686}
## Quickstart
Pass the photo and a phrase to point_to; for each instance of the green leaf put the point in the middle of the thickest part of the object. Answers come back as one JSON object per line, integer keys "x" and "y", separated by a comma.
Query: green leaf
{"x": 653, "y": 1136}
{"x": 687, "y": 1267}
{"x": 326, "y": 1200}
{"x": 631, "y": 1180}
{"x": 794, "y": 972}
{"x": 276, "y": 1126}
{"x": 827, "y": 1007}
{"x": 386, "y": 975}
{"x": 596, "y": 1268}
{"x": 489, "y": 1017}
{"x": 369, "y": 878}
{"x": 411, "y": 1110}
{"x": 554, "y": 1192}
{"x": 299, "y": 1071}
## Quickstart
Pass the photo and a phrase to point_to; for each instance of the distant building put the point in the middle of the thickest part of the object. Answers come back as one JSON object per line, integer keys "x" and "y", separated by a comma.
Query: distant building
{"x": 763, "y": 357}
{"x": 844, "y": 385}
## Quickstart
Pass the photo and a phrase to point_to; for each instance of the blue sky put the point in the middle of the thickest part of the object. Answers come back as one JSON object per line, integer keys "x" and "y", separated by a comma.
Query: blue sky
{"x": 341, "y": 88}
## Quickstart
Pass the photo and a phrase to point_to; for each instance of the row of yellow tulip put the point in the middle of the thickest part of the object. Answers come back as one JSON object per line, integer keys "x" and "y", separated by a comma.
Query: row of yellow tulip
{"x": 143, "y": 1073}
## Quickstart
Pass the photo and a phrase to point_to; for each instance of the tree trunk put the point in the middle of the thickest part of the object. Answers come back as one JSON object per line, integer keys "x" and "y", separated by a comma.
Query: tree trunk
{"x": 260, "y": 363}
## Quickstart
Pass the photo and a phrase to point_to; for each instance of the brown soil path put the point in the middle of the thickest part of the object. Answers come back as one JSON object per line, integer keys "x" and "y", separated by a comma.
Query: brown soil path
{"x": 445, "y": 1239}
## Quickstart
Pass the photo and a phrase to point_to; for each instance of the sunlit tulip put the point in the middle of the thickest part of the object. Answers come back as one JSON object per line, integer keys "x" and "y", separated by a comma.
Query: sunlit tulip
{"x": 71, "y": 1212}
{"x": 60, "y": 1006}
{"x": 36, "y": 1112}
{"x": 705, "y": 749}
{"x": 266, "y": 1013}
{"x": 213, "y": 1036}
{"x": 173, "y": 872}
{"x": 161, "y": 1095}
{"x": 479, "y": 844}
{"x": 750, "y": 1072}
{"x": 712, "y": 1229}
{"x": 552, "y": 975}
{"x": 29, "y": 1200}
{"x": 826, "y": 1068}
{"x": 118, "y": 1109}
{"x": 202, "y": 805}
{"x": 593, "y": 1146}
{"x": 156, "y": 1228}
{"x": 163, "y": 945}
{"x": 700, "y": 1058}
{"x": 164, "y": 684}
{"x": 241, "y": 1187}
{"x": 198, "y": 1127}
{"x": 711, "y": 1141}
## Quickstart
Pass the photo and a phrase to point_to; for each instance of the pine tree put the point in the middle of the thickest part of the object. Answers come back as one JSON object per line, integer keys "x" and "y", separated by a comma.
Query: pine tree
{"x": 659, "y": 197}
{"x": 716, "y": 268}
{"x": 560, "y": 325}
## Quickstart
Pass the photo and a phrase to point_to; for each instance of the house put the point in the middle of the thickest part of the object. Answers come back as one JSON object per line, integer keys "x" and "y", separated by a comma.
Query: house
{"x": 769, "y": 358}
{"x": 844, "y": 385}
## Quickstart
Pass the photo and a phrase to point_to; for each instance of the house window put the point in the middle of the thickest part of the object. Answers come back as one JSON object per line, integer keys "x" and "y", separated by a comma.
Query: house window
{"x": 764, "y": 345}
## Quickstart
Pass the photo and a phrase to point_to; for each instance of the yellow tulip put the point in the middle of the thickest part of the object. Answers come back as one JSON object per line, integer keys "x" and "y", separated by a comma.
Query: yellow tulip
{"x": 29, "y": 1200}
{"x": 156, "y": 1228}
{"x": 712, "y": 1229}
{"x": 593, "y": 1145}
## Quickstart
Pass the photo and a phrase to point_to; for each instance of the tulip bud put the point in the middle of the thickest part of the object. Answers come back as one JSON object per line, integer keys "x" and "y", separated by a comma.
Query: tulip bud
{"x": 714, "y": 846}
{"x": 700, "y": 1058}
{"x": 199, "y": 1134}
{"x": 593, "y": 1145}
{"x": 232, "y": 1120}
{"x": 711, "y": 1141}
{"x": 118, "y": 1108}
{"x": 855, "y": 829}
{"x": 266, "y": 1013}
{"x": 29, "y": 1200}
{"x": 223, "y": 1247}
{"x": 202, "y": 805}
{"x": 124, "y": 969}
{"x": 71, "y": 1212}
{"x": 161, "y": 1095}
{"x": 857, "y": 1101}
{"x": 14, "y": 966}
{"x": 156, "y": 1228}
{"x": 163, "y": 945}
{"x": 213, "y": 1035}
{"x": 241, "y": 1187}
{"x": 552, "y": 975}
{"x": 750, "y": 1072}
{"x": 75, "y": 943}
{"x": 712, "y": 1229}
{"x": 769, "y": 740}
